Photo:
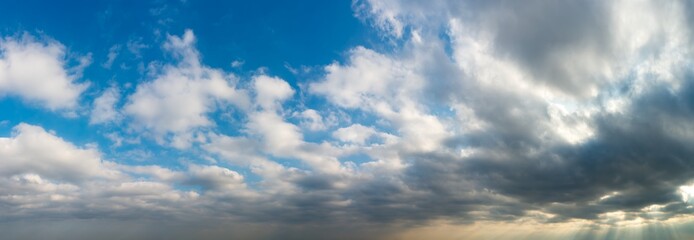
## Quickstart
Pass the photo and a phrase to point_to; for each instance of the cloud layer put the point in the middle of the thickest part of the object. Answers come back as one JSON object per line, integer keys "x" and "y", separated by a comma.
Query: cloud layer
{"x": 494, "y": 112}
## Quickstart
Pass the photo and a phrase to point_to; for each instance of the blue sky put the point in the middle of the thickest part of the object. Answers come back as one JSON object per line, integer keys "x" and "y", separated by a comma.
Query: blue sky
{"x": 364, "y": 119}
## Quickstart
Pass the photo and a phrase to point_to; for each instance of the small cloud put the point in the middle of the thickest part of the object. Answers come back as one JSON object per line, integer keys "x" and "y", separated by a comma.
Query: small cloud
{"x": 111, "y": 57}
{"x": 135, "y": 46}
{"x": 237, "y": 63}
{"x": 104, "y": 109}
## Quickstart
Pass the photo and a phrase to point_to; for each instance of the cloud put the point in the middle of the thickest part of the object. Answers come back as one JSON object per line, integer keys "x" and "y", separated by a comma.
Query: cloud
{"x": 355, "y": 133}
{"x": 387, "y": 87}
{"x": 574, "y": 61}
{"x": 32, "y": 150}
{"x": 215, "y": 178}
{"x": 369, "y": 77}
{"x": 135, "y": 47}
{"x": 111, "y": 57}
{"x": 45, "y": 176}
{"x": 538, "y": 118}
{"x": 271, "y": 90}
{"x": 312, "y": 120}
{"x": 105, "y": 107}
{"x": 178, "y": 100}
{"x": 493, "y": 113}
{"x": 35, "y": 70}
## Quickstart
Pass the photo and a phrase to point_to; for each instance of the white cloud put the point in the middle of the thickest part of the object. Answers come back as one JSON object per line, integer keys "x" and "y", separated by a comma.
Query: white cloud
{"x": 355, "y": 133}
{"x": 42, "y": 173}
{"x": 104, "y": 110}
{"x": 389, "y": 87}
{"x": 33, "y": 150}
{"x": 111, "y": 57}
{"x": 313, "y": 121}
{"x": 178, "y": 100}
{"x": 215, "y": 178}
{"x": 246, "y": 152}
{"x": 35, "y": 71}
{"x": 154, "y": 171}
{"x": 279, "y": 137}
{"x": 385, "y": 15}
{"x": 270, "y": 91}
{"x": 135, "y": 47}
{"x": 237, "y": 63}
{"x": 367, "y": 78}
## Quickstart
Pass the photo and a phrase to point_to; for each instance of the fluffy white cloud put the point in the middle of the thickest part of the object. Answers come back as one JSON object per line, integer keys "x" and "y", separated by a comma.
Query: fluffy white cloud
{"x": 369, "y": 77}
{"x": 247, "y": 152}
{"x": 389, "y": 87}
{"x": 279, "y": 137}
{"x": 104, "y": 109}
{"x": 270, "y": 91}
{"x": 355, "y": 133}
{"x": 33, "y": 150}
{"x": 313, "y": 121}
{"x": 41, "y": 173}
{"x": 385, "y": 15}
{"x": 35, "y": 71}
{"x": 178, "y": 100}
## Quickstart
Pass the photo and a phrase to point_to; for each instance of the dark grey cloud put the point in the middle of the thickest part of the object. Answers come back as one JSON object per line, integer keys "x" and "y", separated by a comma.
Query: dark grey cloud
{"x": 546, "y": 37}
{"x": 634, "y": 154}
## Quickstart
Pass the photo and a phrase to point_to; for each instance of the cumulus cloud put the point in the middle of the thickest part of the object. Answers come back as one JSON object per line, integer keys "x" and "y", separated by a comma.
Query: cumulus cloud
{"x": 270, "y": 91}
{"x": 355, "y": 133}
{"x": 105, "y": 107}
{"x": 389, "y": 88}
{"x": 280, "y": 137}
{"x": 312, "y": 120}
{"x": 32, "y": 150}
{"x": 44, "y": 175}
{"x": 35, "y": 70}
{"x": 176, "y": 103}
{"x": 369, "y": 77}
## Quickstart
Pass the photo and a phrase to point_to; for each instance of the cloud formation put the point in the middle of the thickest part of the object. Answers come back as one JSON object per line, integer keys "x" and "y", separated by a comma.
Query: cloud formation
{"x": 562, "y": 123}
{"x": 176, "y": 103}
{"x": 495, "y": 113}
{"x": 35, "y": 70}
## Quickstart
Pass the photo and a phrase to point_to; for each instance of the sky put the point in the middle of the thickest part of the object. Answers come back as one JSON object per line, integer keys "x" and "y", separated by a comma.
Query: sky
{"x": 363, "y": 119}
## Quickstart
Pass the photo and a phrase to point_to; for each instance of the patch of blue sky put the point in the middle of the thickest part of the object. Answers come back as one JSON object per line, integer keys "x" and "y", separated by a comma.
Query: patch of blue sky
{"x": 357, "y": 158}
{"x": 73, "y": 129}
